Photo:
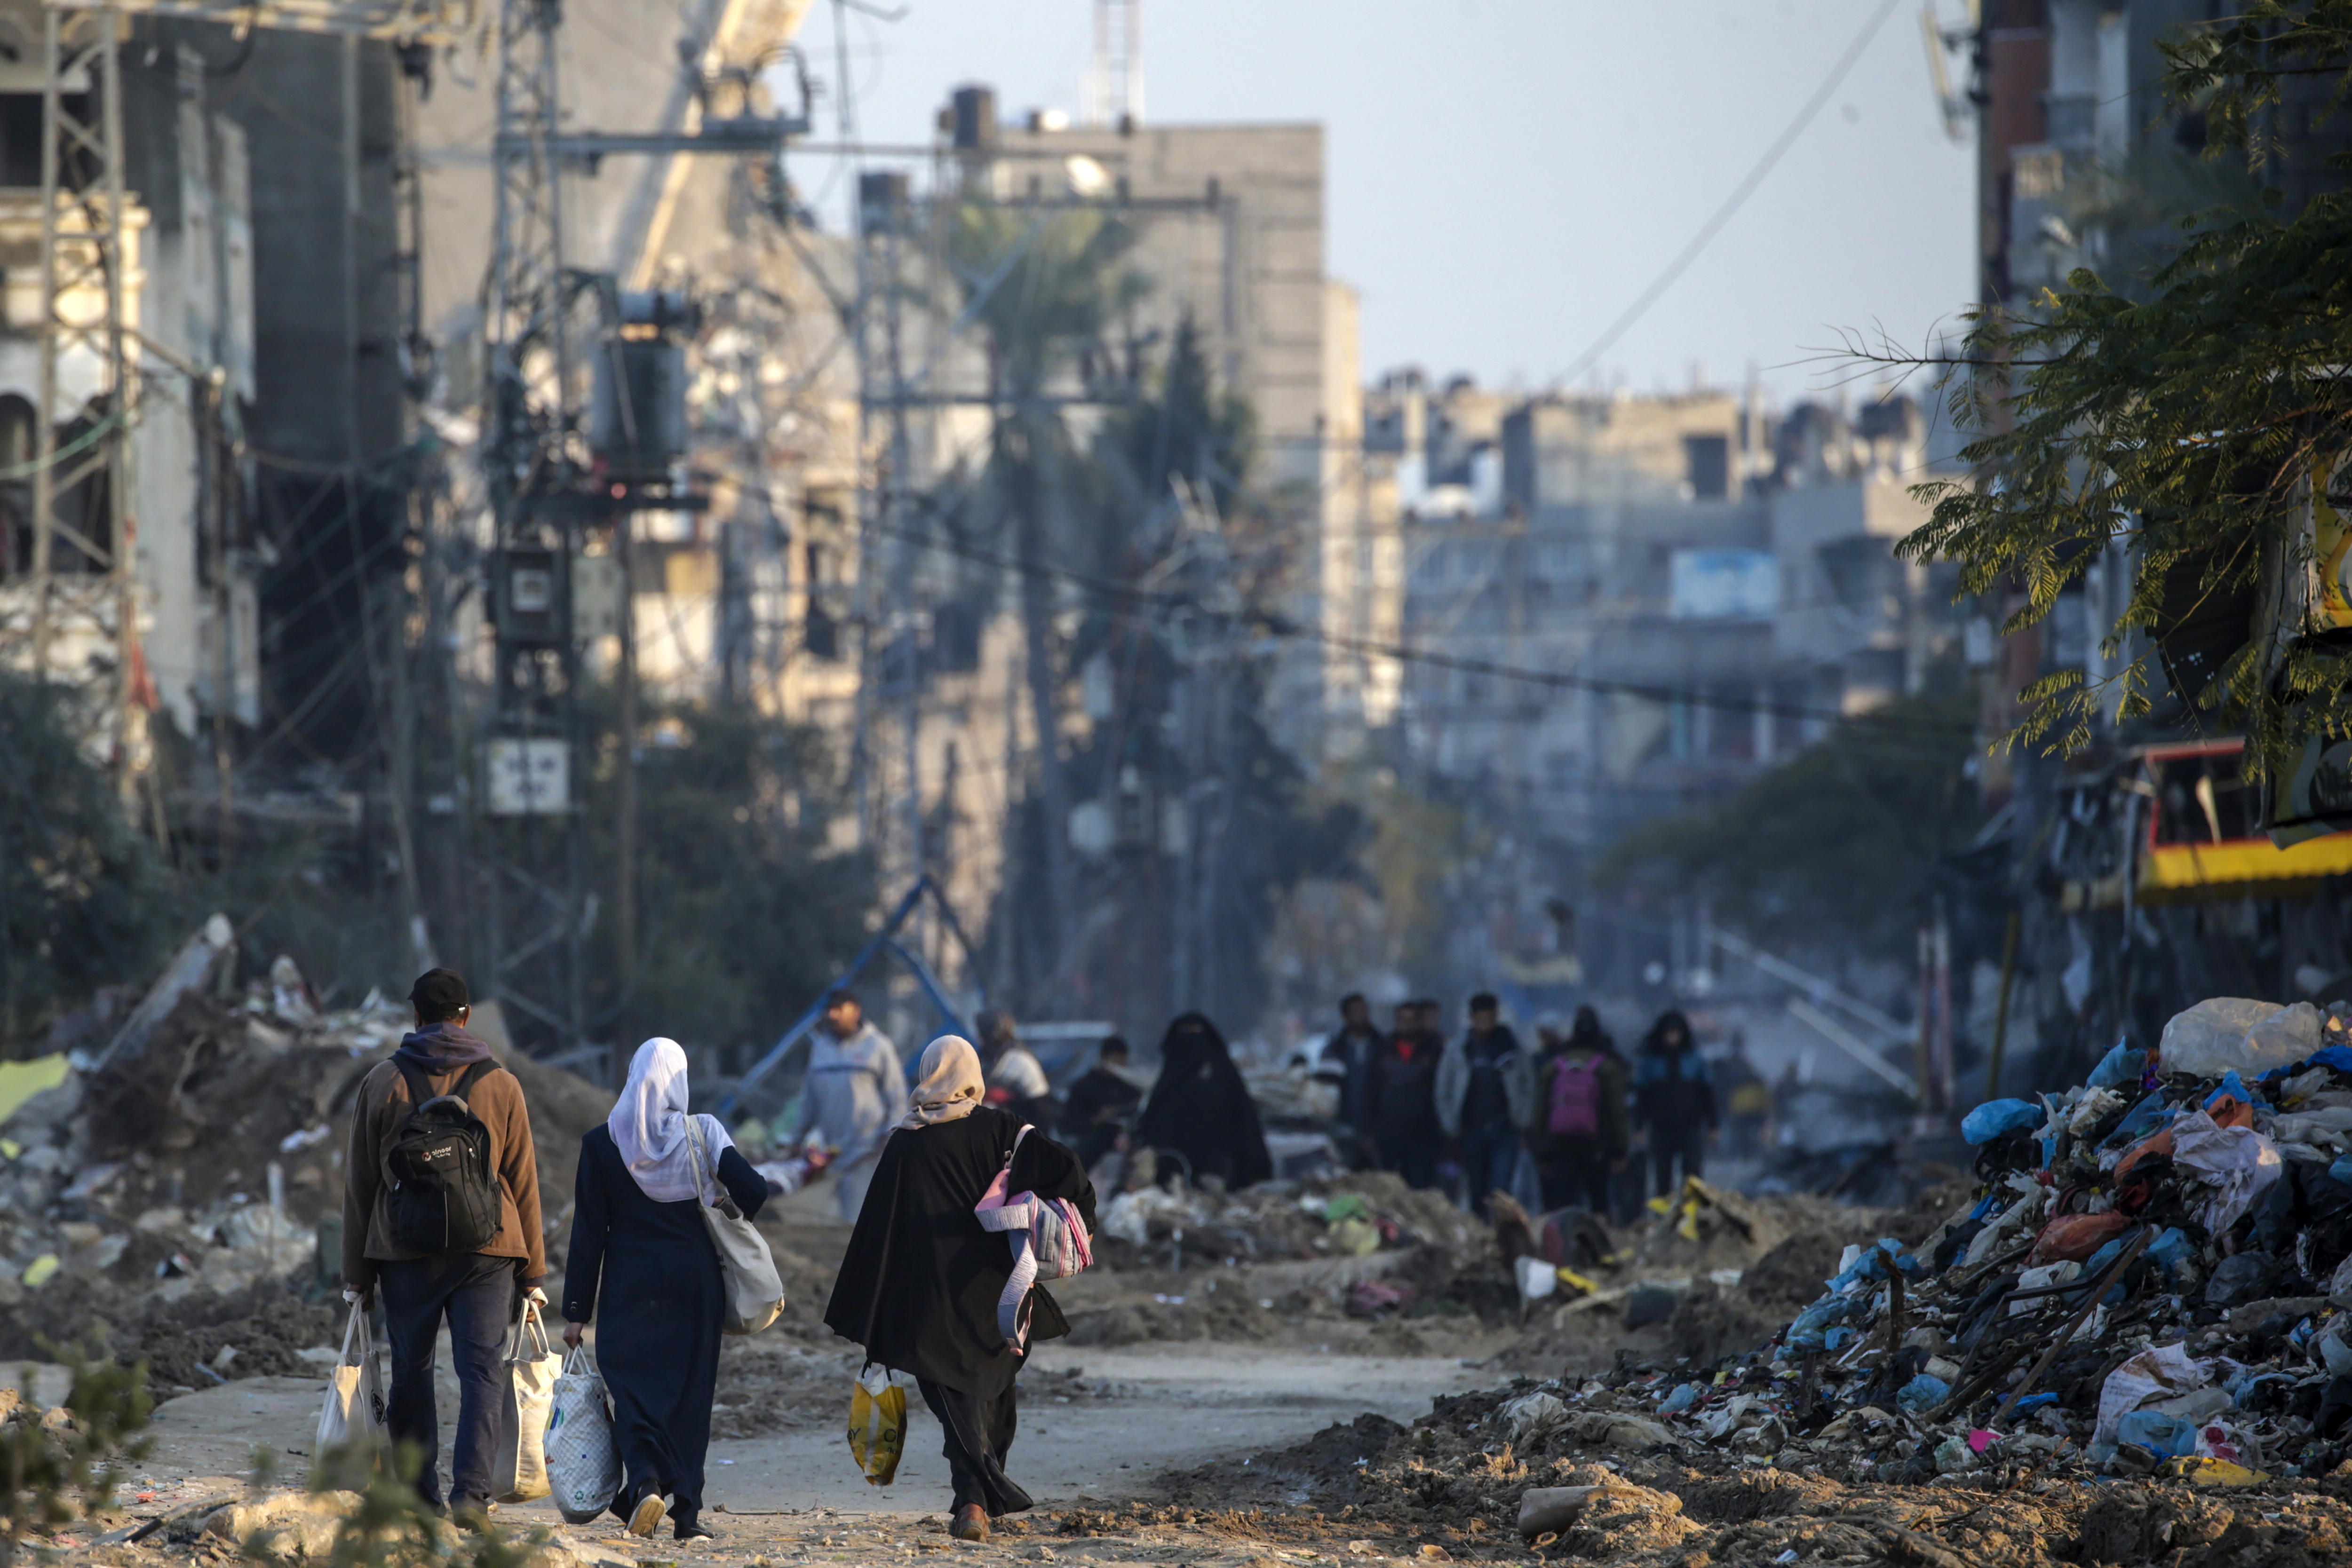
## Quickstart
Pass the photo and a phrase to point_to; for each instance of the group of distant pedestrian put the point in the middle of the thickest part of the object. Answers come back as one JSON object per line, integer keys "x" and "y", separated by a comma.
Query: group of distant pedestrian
{"x": 922, "y": 1284}
{"x": 1570, "y": 1110}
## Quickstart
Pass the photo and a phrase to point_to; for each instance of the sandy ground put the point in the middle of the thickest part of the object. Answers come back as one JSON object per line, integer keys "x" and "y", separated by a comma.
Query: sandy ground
{"x": 1142, "y": 1412}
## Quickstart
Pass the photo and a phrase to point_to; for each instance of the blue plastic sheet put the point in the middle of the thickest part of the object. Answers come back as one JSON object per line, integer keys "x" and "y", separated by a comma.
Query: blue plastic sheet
{"x": 2167, "y": 1437}
{"x": 1923, "y": 1394}
{"x": 1683, "y": 1396}
{"x": 2141, "y": 1120}
{"x": 2341, "y": 1170}
{"x": 2119, "y": 1069}
{"x": 1995, "y": 1117}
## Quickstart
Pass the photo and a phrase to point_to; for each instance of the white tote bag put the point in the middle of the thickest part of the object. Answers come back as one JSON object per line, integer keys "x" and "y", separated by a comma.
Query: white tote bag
{"x": 755, "y": 1293}
{"x": 532, "y": 1367}
{"x": 583, "y": 1463}
{"x": 353, "y": 1413}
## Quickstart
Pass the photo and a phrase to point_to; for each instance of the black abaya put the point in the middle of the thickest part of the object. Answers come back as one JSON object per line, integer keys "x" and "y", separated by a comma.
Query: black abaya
{"x": 919, "y": 1280}
{"x": 1200, "y": 1109}
{"x": 652, "y": 1268}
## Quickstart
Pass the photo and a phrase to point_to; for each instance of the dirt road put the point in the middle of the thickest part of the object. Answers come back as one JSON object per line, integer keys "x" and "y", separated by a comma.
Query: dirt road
{"x": 1097, "y": 1426}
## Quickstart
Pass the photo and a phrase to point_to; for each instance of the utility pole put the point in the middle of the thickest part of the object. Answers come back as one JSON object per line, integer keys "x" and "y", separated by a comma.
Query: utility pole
{"x": 538, "y": 470}
{"x": 80, "y": 489}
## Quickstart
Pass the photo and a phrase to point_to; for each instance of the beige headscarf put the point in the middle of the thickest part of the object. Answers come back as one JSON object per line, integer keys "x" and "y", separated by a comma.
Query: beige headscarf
{"x": 949, "y": 1083}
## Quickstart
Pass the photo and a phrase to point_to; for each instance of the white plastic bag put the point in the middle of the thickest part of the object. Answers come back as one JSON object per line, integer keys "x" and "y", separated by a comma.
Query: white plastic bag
{"x": 2159, "y": 1373}
{"x": 353, "y": 1413}
{"x": 2224, "y": 1032}
{"x": 532, "y": 1368}
{"x": 583, "y": 1463}
{"x": 2237, "y": 1163}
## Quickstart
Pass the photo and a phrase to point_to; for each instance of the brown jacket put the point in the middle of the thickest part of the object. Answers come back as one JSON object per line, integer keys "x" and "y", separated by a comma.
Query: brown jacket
{"x": 382, "y": 1106}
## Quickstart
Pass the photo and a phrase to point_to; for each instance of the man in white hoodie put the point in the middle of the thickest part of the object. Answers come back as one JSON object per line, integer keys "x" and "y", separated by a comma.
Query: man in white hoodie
{"x": 854, "y": 1094}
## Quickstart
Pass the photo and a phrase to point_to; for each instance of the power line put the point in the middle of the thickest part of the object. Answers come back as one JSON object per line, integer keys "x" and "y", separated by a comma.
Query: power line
{"x": 1733, "y": 202}
{"x": 1272, "y": 624}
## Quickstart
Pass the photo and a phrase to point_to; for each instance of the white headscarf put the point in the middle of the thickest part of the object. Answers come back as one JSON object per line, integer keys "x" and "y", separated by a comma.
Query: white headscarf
{"x": 648, "y": 1125}
{"x": 949, "y": 1083}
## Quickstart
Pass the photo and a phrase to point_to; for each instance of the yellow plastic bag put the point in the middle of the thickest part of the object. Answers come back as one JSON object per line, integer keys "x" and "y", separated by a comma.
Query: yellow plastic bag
{"x": 2211, "y": 1472}
{"x": 877, "y": 1424}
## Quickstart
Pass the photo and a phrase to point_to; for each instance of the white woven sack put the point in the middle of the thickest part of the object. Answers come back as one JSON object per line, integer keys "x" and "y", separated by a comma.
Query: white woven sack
{"x": 353, "y": 1412}
{"x": 532, "y": 1367}
{"x": 583, "y": 1463}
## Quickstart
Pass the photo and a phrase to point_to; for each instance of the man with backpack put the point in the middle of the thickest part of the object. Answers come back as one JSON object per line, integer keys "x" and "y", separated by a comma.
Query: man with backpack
{"x": 1583, "y": 1129}
{"x": 441, "y": 1217}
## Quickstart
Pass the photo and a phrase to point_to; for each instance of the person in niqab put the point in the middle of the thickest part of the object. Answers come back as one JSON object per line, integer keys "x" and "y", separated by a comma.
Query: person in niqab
{"x": 643, "y": 1269}
{"x": 920, "y": 1282}
{"x": 1200, "y": 1109}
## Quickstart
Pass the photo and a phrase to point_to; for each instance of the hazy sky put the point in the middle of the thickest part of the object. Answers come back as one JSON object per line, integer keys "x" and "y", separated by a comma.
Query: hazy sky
{"x": 1506, "y": 177}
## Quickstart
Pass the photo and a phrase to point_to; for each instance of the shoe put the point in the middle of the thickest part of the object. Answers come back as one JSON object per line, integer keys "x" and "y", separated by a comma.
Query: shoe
{"x": 471, "y": 1512}
{"x": 646, "y": 1517}
{"x": 695, "y": 1529}
{"x": 970, "y": 1523}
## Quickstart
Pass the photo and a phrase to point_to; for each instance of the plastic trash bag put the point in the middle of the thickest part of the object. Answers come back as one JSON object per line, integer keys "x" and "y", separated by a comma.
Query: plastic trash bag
{"x": 583, "y": 1462}
{"x": 1994, "y": 1117}
{"x": 2224, "y": 1032}
{"x": 2232, "y": 1104}
{"x": 2071, "y": 1237}
{"x": 2158, "y": 1373}
{"x": 519, "y": 1473}
{"x": 2119, "y": 1069}
{"x": 877, "y": 1424}
{"x": 1923, "y": 1394}
{"x": 2166, "y": 1437}
{"x": 2237, "y": 1163}
{"x": 2247, "y": 1277}
{"x": 353, "y": 1412}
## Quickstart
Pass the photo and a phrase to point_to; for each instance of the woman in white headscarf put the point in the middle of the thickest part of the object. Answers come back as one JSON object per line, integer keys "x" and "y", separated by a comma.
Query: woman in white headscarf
{"x": 641, "y": 1252}
{"x": 919, "y": 1282}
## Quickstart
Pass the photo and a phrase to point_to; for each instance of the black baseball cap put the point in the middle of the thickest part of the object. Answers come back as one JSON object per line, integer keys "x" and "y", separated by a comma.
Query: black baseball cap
{"x": 439, "y": 994}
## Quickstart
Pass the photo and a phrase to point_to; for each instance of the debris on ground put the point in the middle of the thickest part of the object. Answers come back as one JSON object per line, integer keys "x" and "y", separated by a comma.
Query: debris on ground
{"x": 171, "y": 1182}
{"x": 1351, "y": 1214}
{"x": 2151, "y": 1277}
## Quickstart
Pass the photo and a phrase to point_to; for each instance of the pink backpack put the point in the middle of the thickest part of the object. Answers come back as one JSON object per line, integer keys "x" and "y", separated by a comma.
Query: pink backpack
{"x": 1576, "y": 1099}
{"x": 1049, "y": 1242}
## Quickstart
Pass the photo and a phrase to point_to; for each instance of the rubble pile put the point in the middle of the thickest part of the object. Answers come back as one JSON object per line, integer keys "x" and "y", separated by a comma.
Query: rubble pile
{"x": 169, "y": 1183}
{"x": 1353, "y": 1215}
{"x": 1578, "y": 1473}
{"x": 2150, "y": 1276}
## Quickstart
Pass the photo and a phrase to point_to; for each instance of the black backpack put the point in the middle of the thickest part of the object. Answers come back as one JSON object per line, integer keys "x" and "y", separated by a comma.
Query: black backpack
{"x": 444, "y": 1196}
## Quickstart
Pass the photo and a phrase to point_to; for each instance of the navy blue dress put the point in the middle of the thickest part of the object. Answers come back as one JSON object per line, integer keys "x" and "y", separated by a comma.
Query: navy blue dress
{"x": 652, "y": 1268}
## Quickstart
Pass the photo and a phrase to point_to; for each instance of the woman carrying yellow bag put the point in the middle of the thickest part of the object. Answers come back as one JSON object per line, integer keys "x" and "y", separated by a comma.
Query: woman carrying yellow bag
{"x": 919, "y": 1282}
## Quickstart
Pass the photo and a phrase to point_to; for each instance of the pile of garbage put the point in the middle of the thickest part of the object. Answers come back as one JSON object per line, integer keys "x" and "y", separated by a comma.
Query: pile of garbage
{"x": 2151, "y": 1276}
{"x": 1353, "y": 1215}
{"x": 171, "y": 1173}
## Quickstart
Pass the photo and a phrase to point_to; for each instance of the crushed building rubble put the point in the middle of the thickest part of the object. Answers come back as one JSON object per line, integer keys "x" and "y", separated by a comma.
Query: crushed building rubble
{"x": 168, "y": 1181}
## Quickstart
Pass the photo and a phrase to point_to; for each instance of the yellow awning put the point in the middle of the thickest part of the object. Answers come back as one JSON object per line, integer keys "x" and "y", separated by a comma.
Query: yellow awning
{"x": 2182, "y": 871}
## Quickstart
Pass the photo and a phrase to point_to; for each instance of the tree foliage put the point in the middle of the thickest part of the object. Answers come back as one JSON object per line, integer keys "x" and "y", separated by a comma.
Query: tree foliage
{"x": 2181, "y": 418}
{"x": 1841, "y": 843}
{"x": 85, "y": 901}
{"x": 744, "y": 915}
{"x": 1138, "y": 546}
